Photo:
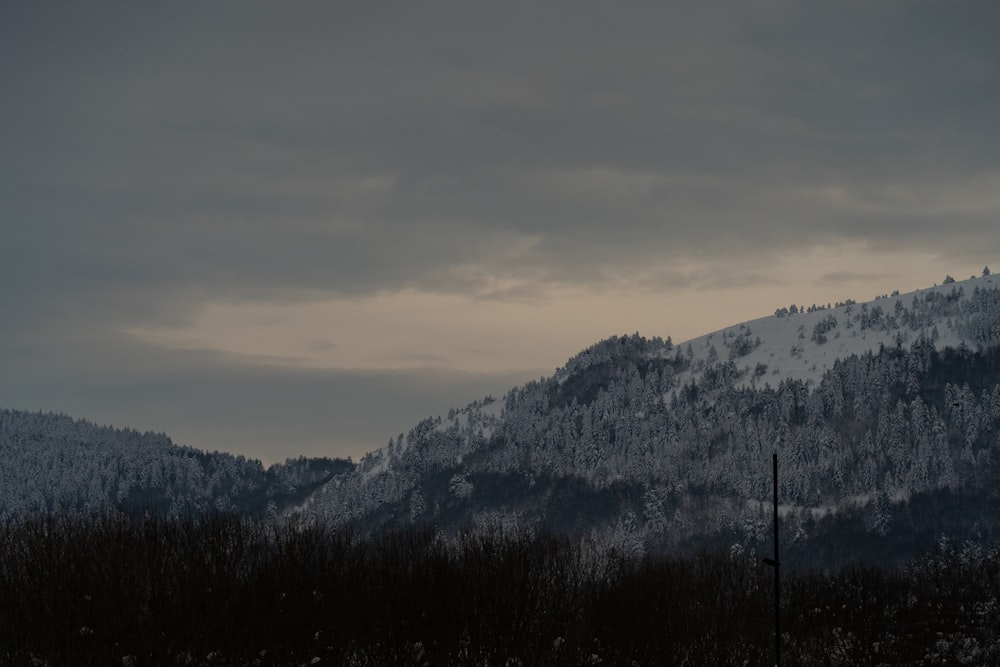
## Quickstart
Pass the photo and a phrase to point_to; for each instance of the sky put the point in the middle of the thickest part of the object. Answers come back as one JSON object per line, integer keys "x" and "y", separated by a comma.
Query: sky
{"x": 298, "y": 228}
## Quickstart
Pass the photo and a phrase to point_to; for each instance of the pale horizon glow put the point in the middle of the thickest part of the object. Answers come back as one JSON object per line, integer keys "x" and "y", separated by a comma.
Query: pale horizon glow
{"x": 411, "y": 329}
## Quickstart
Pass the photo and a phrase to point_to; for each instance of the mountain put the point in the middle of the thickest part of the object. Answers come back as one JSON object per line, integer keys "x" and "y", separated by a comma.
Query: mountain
{"x": 884, "y": 416}
{"x": 52, "y": 463}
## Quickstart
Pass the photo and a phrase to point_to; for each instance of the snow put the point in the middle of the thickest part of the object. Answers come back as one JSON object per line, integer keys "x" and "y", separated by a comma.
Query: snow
{"x": 789, "y": 356}
{"x": 487, "y": 413}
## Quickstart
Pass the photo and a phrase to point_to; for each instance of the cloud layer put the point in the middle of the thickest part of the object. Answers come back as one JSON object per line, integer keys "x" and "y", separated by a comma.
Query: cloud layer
{"x": 160, "y": 162}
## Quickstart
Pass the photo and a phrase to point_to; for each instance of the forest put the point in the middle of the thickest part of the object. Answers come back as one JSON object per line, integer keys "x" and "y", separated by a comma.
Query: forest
{"x": 616, "y": 444}
{"x": 59, "y": 465}
{"x": 132, "y": 589}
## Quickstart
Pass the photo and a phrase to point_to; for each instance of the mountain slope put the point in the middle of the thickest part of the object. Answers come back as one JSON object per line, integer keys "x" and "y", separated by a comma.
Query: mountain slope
{"x": 52, "y": 463}
{"x": 874, "y": 409}
{"x": 885, "y": 416}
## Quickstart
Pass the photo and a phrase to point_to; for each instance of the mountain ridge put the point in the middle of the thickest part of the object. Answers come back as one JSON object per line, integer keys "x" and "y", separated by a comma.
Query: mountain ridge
{"x": 658, "y": 439}
{"x": 53, "y": 463}
{"x": 878, "y": 411}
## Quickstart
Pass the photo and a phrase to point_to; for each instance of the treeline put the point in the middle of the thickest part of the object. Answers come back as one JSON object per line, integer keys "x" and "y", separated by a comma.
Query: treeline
{"x": 126, "y": 590}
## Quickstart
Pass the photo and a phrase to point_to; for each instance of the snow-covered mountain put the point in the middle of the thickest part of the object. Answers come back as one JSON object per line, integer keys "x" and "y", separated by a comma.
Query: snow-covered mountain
{"x": 802, "y": 343}
{"x": 885, "y": 416}
{"x": 52, "y": 463}
{"x": 879, "y": 412}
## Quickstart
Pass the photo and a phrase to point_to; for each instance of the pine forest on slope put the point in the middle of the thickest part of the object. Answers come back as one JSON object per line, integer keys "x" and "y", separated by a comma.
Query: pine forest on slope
{"x": 884, "y": 416}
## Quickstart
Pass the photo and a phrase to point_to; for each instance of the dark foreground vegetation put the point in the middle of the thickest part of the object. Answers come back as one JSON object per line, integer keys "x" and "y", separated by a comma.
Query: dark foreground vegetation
{"x": 123, "y": 590}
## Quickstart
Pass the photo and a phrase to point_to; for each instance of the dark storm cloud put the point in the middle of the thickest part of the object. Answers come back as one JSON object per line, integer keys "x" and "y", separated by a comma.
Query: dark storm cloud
{"x": 253, "y": 148}
{"x": 158, "y": 157}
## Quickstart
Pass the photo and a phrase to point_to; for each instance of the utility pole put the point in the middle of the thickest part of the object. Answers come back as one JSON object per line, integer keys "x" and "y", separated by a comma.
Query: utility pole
{"x": 775, "y": 563}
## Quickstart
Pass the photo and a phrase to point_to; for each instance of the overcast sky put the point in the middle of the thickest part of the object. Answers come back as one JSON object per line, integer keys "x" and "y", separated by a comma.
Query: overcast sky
{"x": 283, "y": 228}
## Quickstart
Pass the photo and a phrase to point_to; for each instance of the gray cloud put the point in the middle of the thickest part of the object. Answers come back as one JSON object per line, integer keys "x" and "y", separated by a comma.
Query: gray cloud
{"x": 379, "y": 148}
{"x": 848, "y": 277}
{"x": 160, "y": 157}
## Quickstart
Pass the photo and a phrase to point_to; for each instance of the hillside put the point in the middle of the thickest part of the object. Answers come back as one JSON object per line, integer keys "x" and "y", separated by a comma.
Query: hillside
{"x": 884, "y": 416}
{"x": 55, "y": 464}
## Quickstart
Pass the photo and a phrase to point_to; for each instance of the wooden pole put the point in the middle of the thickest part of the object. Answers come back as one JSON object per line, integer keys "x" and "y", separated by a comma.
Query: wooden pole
{"x": 777, "y": 570}
{"x": 776, "y": 564}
